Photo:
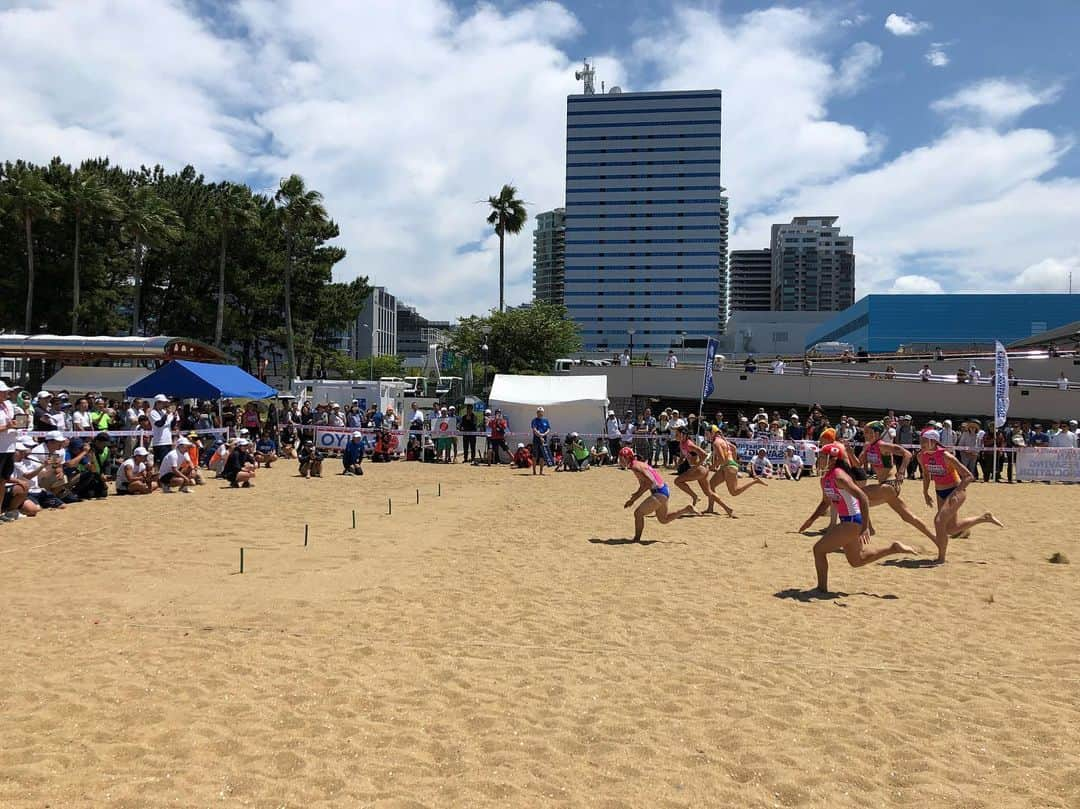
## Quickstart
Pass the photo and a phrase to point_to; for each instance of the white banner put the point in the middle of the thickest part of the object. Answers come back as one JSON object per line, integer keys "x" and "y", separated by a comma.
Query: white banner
{"x": 1048, "y": 463}
{"x": 1001, "y": 385}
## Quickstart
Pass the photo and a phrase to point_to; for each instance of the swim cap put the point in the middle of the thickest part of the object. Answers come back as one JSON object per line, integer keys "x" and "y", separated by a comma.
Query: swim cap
{"x": 828, "y": 435}
{"x": 626, "y": 453}
{"x": 932, "y": 435}
{"x": 876, "y": 426}
{"x": 834, "y": 450}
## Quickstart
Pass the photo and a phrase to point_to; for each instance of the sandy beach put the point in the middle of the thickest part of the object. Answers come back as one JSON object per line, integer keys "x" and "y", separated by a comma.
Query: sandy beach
{"x": 502, "y": 645}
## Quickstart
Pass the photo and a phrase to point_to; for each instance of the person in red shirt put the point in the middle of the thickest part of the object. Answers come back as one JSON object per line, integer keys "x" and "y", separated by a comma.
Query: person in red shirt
{"x": 498, "y": 427}
{"x": 523, "y": 458}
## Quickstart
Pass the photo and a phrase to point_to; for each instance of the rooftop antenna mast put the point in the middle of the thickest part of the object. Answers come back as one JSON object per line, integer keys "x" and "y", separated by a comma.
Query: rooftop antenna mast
{"x": 587, "y": 74}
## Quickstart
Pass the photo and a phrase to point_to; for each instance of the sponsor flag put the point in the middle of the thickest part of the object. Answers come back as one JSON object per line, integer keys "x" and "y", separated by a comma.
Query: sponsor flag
{"x": 1001, "y": 385}
{"x": 707, "y": 385}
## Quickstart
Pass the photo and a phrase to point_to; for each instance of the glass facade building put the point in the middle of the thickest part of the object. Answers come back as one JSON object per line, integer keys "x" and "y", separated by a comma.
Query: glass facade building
{"x": 549, "y": 257}
{"x": 645, "y": 220}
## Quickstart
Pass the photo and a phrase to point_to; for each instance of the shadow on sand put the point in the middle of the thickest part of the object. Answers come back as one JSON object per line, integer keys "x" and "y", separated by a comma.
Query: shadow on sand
{"x": 912, "y": 564}
{"x": 808, "y": 596}
{"x": 624, "y": 541}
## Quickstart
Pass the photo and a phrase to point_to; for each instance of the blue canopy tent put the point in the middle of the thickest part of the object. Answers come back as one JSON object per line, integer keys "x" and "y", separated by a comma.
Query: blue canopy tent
{"x": 183, "y": 379}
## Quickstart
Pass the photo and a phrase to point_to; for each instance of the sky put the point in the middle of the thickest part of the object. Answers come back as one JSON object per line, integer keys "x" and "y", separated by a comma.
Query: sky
{"x": 942, "y": 134}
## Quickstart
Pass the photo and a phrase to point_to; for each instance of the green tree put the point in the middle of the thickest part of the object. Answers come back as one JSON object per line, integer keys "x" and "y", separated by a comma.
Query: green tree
{"x": 87, "y": 198}
{"x": 507, "y": 216}
{"x": 29, "y": 198}
{"x": 300, "y": 211}
{"x": 235, "y": 209}
{"x": 521, "y": 340}
{"x": 149, "y": 222}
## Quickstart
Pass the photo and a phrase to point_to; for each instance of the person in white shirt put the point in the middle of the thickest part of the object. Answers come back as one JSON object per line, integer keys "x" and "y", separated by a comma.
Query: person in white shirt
{"x": 974, "y": 375}
{"x": 133, "y": 476}
{"x": 792, "y": 467}
{"x": 169, "y": 473}
{"x": 779, "y": 366}
{"x": 624, "y": 359}
{"x": 760, "y": 466}
{"x": 1063, "y": 437}
{"x": 8, "y": 432}
{"x": 1062, "y": 381}
{"x": 162, "y": 419}
{"x": 80, "y": 418}
{"x": 926, "y": 374}
{"x": 672, "y": 360}
{"x": 948, "y": 434}
{"x": 614, "y": 435}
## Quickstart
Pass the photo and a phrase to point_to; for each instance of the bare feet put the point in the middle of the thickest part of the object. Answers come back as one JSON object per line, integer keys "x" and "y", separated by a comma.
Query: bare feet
{"x": 988, "y": 517}
{"x": 899, "y": 547}
{"x": 760, "y": 482}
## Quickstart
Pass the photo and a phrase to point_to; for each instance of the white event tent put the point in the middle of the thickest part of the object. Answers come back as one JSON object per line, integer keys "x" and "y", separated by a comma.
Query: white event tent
{"x": 572, "y": 403}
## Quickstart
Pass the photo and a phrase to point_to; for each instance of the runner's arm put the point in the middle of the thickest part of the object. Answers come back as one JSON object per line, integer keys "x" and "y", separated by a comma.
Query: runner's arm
{"x": 821, "y": 510}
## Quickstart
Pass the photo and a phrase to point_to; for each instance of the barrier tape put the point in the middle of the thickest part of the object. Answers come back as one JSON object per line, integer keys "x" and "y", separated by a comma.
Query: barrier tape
{"x": 116, "y": 433}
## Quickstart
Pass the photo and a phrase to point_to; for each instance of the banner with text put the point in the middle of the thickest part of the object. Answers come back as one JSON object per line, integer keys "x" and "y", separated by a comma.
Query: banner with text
{"x": 1048, "y": 463}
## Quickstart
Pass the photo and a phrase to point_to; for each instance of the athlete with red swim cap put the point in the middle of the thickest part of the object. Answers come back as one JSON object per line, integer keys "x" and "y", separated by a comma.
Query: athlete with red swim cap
{"x": 649, "y": 480}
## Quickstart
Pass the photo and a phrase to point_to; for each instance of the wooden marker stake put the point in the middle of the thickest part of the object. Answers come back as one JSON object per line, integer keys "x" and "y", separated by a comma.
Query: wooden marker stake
{"x": 354, "y": 519}
{"x": 241, "y": 560}
{"x": 305, "y": 535}
{"x": 417, "y": 497}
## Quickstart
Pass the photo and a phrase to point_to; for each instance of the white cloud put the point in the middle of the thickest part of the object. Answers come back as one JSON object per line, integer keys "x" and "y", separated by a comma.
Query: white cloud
{"x": 915, "y": 285}
{"x": 936, "y": 56}
{"x": 1049, "y": 275}
{"x": 904, "y": 25}
{"x": 997, "y": 101}
{"x": 857, "y": 65}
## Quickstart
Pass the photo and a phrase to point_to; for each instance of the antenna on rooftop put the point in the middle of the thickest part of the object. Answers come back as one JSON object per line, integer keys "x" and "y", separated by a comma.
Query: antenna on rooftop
{"x": 587, "y": 74}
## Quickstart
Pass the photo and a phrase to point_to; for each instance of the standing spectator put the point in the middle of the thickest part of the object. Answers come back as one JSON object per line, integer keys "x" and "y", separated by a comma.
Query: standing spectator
{"x": 750, "y": 365}
{"x": 162, "y": 418}
{"x": 948, "y": 435}
{"x": 416, "y": 421}
{"x": 454, "y": 428}
{"x": 43, "y": 412}
{"x": 986, "y": 457}
{"x": 905, "y": 437}
{"x": 672, "y": 361}
{"x": 1062, "y": 381}
{"x": 795, "y": 431}
{"x": 974, "y": 374}
{"x": 8, "y": 432}
{"x": 498, "y": 426}
{"x": 624, "y": 358}
{"x": 1062, "y": 436}
{"x": 1039, "y": 437}
{"x": 629, "y": 429}
{"x": 355, "y": 419}
{"x": 468, "y": 442}
{"x": 1009, "y": 435}
{"x": 664, "y": 432}
{"x": 614, "y": 434}
{"x": 100, "y": 416}
{"x": 541, "y": 428}
{"x": 778, "y": 366}
{"x": 652, "y": 446}
{"x": 969, "y": 442}
{"x": 1013, "y": 381}
{"x": 80, "y": 418}
{"x": 807, "y": 365}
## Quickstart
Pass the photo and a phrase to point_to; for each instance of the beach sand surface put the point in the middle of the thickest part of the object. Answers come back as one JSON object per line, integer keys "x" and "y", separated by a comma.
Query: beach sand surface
{"x": 503, "y": 645}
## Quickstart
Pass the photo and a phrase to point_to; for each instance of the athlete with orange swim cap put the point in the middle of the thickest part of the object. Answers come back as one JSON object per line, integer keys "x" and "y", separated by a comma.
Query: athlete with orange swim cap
{"x": 649, "y": 480}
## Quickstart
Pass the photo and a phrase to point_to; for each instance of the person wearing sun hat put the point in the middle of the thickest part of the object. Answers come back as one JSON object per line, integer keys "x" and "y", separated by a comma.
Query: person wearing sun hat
{"x": 352, "y": 456}
{"x": 8, "y": 431}
{"x": 240, "y": 465}
{"x": 134, "y": 475}
{"x": 170, "y": 468}
{"x": 162, "y": 419}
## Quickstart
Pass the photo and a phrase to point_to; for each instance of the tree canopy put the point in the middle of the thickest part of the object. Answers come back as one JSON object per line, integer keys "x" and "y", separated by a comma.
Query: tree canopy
{"x": 144, "y": 251}
{"x": 525, "y": 340}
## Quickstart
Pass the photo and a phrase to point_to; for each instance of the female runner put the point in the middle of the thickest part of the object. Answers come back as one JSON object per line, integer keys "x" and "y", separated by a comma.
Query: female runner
{"x": 878, "y": 454}
{"x": 852, "y": 533}
{"x": 951, "y": 479}
{"x": 724, "y": 465}
{"x": 876, "y": 494}
{"x": 692, "y": 468}
{"x": 649, "y": 480}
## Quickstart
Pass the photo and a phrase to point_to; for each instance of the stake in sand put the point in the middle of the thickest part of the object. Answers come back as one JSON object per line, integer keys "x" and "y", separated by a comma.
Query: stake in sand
{"x": 241, "y": 560}
{"x": 354, "y": 519}
{"x": 305, "y": 535}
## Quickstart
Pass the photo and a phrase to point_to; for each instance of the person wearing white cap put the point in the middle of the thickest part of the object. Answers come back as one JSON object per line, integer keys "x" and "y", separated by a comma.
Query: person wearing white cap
{"x": 352, "y": 456}
{"x": 791, "y": 468}
{"x": 134, "y": 476}
{"x": 240, "y": 466}
{"x": 613, "y": 429}
{"x": 541, "y": 429}
{"x": 27, "y": 469}
{"x": 170, "y": 466}
{"x": 162, "y": 419}
{"x": 8, "y": 432}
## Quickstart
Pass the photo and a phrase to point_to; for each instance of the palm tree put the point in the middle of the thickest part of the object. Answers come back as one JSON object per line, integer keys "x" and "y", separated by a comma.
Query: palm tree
{"x": 299, "y": 210}
{"x": 508, "y": 216}
{"x": 148, "y": 222}
{"x": 88, "y": 198}
{"x": 30, "y": 198}
{"x": 234, "y": 209}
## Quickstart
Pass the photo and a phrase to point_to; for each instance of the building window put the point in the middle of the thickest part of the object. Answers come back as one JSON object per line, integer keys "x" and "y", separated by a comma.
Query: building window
{"x": 779, "y": 336}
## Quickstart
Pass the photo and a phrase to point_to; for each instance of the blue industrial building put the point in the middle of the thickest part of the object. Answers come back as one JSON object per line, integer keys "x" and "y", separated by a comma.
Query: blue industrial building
{"x": 646, "y": 241}
{"x": 883, "y": 323}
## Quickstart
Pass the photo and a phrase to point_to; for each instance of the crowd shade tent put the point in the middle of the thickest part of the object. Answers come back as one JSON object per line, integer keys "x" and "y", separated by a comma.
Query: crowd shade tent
{"x": 80, "y": 380}
{"x": 182, "y": 379}
{"x": 571, "y": 403}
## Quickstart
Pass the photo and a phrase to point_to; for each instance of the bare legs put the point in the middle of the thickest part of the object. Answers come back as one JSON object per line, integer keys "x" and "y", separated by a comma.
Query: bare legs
{"x": 730, "y": 477}
{"x": 882, "y": 493}
{"x": 947, "y": 522}
{"x": 658, "y": 506}
{"x": 847, "y": 536}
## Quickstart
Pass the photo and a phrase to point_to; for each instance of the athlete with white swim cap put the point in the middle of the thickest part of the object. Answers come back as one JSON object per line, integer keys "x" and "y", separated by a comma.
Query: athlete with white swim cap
{"x": 649, "y": 480}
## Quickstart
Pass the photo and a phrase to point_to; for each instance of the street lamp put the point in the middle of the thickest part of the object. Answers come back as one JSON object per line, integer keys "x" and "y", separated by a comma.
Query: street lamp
{"x": 371, "y": 353}
{"x": 487, "y": 333}
{"x": 631, "y": 333}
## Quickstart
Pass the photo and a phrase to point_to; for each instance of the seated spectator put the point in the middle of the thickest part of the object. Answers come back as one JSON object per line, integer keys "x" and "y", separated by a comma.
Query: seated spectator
{"x": 27, "y": 469}
{"x": 14, "y": 497}
{"x": 311, "y": 458}
{"x": 353, "y": 456}
{"x": 760, "y": 466}
{"x": 890, "y": 372}
{"x": 926, "y": 375}
{"x": 220, "y": 456}
{"x": 523, "y": 457}
{"x": 265, "y": 450}
{"x": 779, "y": 366}
{"x": 576, "y": 454}
{"x": 383, "y": 451}
{"x": 170, "y": 471}
{"x": 82, "y": 472}
{"x": 135, "y": 475}
{"x": 240, "y": 466}
{"x": 287, "y": 443}
{"x": 53, "y": 477}
{"x": 599, "y": 454}
{"x": 961, "y": 376}
{"x": 791, "y": 468}
{"x": 190, "y": 467}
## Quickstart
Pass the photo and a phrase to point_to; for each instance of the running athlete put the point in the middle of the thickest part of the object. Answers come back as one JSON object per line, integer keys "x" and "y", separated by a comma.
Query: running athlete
{"x": 852, "y": 533}
{"x": 951, "y": 479}
{"x": 649, "y": 480}
{"x": 879, "y": 454}
{"x": 725, "y": 466}
{"x": 692, "y": 468}
{"x": 876, "y": 494}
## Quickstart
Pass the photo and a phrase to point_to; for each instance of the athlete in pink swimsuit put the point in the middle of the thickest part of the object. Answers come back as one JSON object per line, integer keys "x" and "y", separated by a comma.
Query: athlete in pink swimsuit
{"x": 692, "y": 468}
{"x": 951, "y": 479}
{"x": 649, "y": 480}
{"x": 876, "y": 450}
{"x": 852, "y": 533}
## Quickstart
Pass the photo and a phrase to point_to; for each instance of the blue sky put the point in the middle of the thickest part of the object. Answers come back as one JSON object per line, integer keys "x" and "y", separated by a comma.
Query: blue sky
{"x": 943, "y": 134}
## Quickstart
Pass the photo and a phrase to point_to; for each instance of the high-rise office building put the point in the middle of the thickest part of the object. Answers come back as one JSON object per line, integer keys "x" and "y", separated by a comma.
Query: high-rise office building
{"x": 374, "y": 334}
{"x": 813, "y": 266}
{"x": 725, "y": 276}
{"x": 643, "y": 219}
{"x": 416, "y": 333}
{"x": 751, "y": 280}
{"x": 549, "y": 257}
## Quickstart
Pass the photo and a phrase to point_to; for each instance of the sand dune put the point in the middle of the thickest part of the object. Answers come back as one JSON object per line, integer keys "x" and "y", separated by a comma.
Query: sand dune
{"x": 500, "y": 646}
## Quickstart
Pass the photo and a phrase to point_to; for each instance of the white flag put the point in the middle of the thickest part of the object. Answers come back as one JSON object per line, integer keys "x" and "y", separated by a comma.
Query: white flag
{"x": 1001, "y": 385}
